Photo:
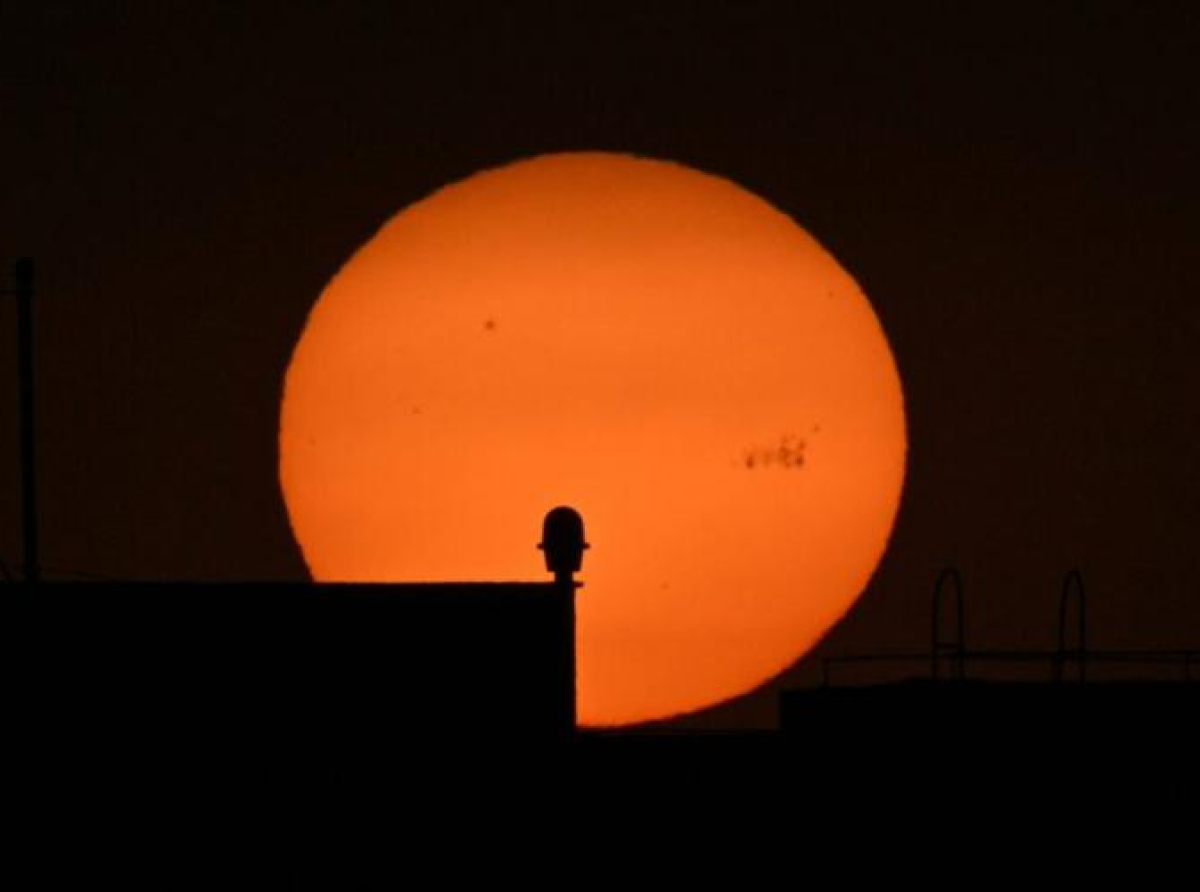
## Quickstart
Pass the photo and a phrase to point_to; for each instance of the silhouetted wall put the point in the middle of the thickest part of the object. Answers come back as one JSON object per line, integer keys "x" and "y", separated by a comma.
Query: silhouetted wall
{"x": 291, "y": 666}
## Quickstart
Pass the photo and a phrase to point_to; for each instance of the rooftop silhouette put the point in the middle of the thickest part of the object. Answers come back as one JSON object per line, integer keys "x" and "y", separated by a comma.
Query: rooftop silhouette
{"x": 278, "y": 662}
{"x": 948, "y": 694}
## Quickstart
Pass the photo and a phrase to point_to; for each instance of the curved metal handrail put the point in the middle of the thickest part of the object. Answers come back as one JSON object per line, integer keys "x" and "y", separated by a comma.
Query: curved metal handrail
{"x": 1072, "y": 585}
{"x": 938, "y": 646}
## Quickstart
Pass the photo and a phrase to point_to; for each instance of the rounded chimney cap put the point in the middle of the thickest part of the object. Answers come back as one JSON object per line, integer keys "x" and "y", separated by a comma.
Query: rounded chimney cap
{"x": 563, "y": 540}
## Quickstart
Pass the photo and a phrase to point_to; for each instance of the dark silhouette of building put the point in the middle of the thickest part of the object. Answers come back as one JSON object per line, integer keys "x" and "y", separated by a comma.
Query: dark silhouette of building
{"x": 952, "y": 700}
{"x": 309, "y": 666}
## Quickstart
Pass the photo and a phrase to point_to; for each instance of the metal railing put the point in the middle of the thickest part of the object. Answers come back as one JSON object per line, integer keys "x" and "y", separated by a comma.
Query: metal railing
{"x": 944, "y": 644}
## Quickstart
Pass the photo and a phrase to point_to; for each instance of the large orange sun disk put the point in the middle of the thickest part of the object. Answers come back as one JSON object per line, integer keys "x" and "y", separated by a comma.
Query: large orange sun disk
{"x": 655, "y": 346}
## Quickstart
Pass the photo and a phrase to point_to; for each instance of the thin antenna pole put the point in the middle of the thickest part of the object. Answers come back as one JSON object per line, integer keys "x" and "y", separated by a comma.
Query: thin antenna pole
{"x": 23, "y": 276}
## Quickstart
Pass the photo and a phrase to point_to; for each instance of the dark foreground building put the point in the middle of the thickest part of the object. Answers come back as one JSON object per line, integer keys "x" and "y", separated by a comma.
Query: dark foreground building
{"x": 291, "y": 666}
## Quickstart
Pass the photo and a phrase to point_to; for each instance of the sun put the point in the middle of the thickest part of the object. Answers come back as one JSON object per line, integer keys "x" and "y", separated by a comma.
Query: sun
{"x": 653, "y": 345}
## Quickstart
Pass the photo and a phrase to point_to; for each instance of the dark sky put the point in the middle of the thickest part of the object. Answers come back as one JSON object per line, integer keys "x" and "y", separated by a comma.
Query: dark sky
{"x": 1015, "y": 186}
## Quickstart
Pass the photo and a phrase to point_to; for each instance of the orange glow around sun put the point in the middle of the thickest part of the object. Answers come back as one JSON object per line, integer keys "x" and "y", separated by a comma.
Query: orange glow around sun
{"x": 652, "y": 345}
